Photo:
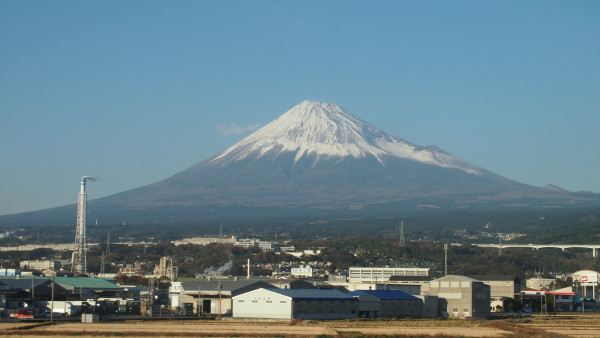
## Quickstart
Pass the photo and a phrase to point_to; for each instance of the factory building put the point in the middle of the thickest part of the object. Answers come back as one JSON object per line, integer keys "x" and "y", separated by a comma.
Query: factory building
{"x": 295, "y": 304}
{"x": 212, "y": 297}
{"x": 382, "y": 274}
{"x": 503, "y": 288}
{"x": 461, "y": 296}
{"x": 387, "y": 304}
{"x": 409, "y": 284}
{"x": 40, "y": 265}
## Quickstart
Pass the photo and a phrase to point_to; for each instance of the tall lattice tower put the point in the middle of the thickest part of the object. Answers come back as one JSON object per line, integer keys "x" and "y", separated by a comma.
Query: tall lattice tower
{"x": 79, "y": 260}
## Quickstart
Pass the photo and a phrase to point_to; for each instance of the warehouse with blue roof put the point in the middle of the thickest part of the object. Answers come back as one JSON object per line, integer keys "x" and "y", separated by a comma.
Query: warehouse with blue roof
{"x": 295, "y": 304}
{"x": 387, "y": 304}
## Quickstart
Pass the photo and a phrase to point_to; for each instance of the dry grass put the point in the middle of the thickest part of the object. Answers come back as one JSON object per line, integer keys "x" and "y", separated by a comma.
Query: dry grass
{"x": 560, "y": 326}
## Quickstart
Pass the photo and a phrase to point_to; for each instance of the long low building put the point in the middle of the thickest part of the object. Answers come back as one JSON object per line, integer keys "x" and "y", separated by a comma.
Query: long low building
{"x": 382, "y": 274}
{"x": 295, "y": 304}
{"x": 387, "y": 304}
{"x": 211, "y": 297}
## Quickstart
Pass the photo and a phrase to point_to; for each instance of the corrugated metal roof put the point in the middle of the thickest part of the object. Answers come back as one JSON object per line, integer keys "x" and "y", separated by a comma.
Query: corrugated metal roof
{"x": 385, "y": 294}
{"x": 397, "y": 278}
{"x": 313, "y": 294}
{"x": 24, "y": 284}
{"x": 465, "y": 278}
{"x": 87, "y": 283}
{"x": 77, "y": 282}
{"x": 506, "y": 278}
{"x": 213, "y": 285}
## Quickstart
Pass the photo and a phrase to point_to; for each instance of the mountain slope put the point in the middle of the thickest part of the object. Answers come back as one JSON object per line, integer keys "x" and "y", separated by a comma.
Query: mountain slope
{"x": 326, "y": 130}
{"x": 317, "y": 159}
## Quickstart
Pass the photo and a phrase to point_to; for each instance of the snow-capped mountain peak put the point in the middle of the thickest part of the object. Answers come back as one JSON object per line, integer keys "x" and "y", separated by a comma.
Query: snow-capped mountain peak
{"x": 326, "y": 130}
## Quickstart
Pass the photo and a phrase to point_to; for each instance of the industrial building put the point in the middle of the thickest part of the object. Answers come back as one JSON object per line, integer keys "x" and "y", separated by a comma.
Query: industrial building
{"x": 212, "y": 297}
{"x": 295, "y": 304}
{"x": 461, "y": 296}
{"x": 382, "y": 274}
{"x": 503, "y": 289}
{"x": 538, "y": 283}
{"x": 587, "y": 284}
{"x": 387, "y": 304}
{"x": 40, "y": 265}
{"x": 408, "y": 284}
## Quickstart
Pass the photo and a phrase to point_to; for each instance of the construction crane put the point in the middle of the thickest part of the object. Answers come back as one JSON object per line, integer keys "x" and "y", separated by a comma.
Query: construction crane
{"x": 79, "y": 259}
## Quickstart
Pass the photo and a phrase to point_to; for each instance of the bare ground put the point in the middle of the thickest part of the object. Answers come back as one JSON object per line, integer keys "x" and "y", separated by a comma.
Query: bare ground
{"x": 559, "y": 326}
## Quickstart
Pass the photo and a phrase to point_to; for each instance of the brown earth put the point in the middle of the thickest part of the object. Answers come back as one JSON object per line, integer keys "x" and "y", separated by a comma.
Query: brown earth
{"x": 560, "y": 326}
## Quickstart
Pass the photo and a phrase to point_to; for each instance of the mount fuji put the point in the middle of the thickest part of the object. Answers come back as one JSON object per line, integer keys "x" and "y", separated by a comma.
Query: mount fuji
{"x": 318, "y": 159}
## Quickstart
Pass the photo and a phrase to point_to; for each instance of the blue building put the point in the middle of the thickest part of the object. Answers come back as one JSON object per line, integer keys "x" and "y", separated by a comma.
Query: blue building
{"x": 387, "y": 304}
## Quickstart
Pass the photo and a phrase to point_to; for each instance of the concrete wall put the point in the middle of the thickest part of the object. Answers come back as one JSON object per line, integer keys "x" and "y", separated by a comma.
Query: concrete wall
{"x": 262, "y": 304}
{"x": 461, "y": 297}
{"x": 325, "y": 309}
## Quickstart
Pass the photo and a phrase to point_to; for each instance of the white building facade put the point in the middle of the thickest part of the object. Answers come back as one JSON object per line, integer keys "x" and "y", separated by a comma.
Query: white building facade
{"x": 295, "y": 304}
{"x": 382, "y": 274}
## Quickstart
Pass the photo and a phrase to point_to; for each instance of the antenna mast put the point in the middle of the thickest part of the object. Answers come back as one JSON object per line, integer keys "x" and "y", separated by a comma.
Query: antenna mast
{"x": 79, "y": 260}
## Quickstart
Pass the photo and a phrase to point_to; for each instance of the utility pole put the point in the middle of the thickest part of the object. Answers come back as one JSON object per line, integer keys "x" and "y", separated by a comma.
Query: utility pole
{"x": 102, "y": 264}
{"x": 108, "y": 243}
{"x": 52, "y": 300}
{"x": 401, "y": 243}
{"x": 499, "y": 244}
{"x": 32, "y": 294}
{"x": 445, "y": 259}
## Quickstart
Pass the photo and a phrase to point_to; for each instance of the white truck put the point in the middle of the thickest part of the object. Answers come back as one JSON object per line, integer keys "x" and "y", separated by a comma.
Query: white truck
{"x": 67, "y": 308}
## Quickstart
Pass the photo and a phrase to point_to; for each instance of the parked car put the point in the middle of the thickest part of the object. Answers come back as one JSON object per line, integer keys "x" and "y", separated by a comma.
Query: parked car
{"x": 510, "y": 313}
{"x": 25, "y": 314}
{"x": 47, "y": 314}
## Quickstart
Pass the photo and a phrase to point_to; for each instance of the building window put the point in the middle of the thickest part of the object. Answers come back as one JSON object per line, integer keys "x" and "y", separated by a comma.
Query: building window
{"x": 455, "y": 309}
{"x": 282, "y": 301}
{"x": 240, "y": 301}
{"x": 466, "y": 310}
{"x": 445, "y": 310}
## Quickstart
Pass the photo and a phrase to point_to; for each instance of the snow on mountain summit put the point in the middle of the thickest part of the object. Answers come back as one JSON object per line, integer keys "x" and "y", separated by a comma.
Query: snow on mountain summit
{"x": 326, "y": 130}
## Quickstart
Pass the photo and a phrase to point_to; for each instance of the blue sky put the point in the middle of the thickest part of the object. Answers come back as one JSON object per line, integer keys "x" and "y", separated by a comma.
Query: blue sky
{"x": 136, "y": 91}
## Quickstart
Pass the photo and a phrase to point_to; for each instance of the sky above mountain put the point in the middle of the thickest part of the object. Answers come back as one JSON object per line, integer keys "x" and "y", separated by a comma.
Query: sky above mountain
{"x": 133, "y": 92}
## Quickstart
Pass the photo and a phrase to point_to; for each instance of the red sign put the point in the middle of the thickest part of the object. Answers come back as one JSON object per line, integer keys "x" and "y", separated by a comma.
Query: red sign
{"x": 584, "y": 278}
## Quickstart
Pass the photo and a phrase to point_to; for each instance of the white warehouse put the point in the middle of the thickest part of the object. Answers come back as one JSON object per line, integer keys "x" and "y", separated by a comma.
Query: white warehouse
{"x": 295, "y": 304}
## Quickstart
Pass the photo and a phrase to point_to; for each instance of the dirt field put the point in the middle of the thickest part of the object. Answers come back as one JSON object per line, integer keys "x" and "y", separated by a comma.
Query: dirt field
{"x": 559, "y": 326}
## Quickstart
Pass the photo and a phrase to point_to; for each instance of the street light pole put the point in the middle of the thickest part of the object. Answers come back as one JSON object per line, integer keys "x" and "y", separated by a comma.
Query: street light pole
{"x": 52, "y": 301}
